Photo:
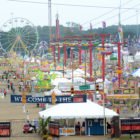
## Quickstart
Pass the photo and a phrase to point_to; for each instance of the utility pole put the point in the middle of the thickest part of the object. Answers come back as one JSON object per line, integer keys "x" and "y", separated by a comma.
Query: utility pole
{"x": 137, "y": 29}
{"x": 50, "y": 20}
{"x": 90, "y": 57}
{"x": 50, "y": 30}
{"x": 65, "y": 54}
{"x": 58, "y": 35}
{"x": 85, "y": 65}
{"x": 72, "y": 65}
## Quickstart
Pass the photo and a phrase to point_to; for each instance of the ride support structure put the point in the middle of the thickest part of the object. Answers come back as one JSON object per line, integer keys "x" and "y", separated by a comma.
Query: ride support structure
{"x": 103, "y": 36}
{"x": 119, "y": 61}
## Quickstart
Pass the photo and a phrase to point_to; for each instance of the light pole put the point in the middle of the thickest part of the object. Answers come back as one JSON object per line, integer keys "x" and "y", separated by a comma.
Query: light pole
{"x": 85, "y": 65}
{"x": 72, "y": 64}
{"x": 104, "y": 53}
{"x": 137, "y": 29}
{"x": 64, "y": 57}
{"x": 50, "y": 20}
{"x": 90, "y": 58}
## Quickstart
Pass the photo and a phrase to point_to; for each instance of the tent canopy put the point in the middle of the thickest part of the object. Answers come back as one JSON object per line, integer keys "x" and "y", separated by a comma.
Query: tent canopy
{"x": 59, "y": 80}
{"x": 136, "y": 73}
{"x": 77, "y": 73}
{"x": 77, "y": 110}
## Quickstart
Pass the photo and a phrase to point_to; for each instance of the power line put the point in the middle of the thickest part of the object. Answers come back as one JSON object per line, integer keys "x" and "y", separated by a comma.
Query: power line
{"x": 72, "y": 5}
{"x": 130, "y": 17}
{"x": 105, "y": 13}
{"x": 89, "y": 6}
{"x": 109, "y": 18}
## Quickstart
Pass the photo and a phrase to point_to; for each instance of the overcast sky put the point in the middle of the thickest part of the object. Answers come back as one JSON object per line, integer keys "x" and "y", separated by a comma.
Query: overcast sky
{"x": 38, "y": 13}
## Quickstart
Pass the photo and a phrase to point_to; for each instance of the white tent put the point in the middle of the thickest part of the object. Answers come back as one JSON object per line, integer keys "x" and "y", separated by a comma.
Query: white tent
{"x": 78, "y": 80}
{"x": 137, "y": 56}
{"x": 59, "y": 74}
{"x": 59, "y": 80}
{"x": 80, "y": 72}
{"x": 55, "y": 90}
{"x": 77, "y": 110}
{"x": 99, "y": 80}
{"x": 77, "y": 73}
{"x": 136, "y": 73}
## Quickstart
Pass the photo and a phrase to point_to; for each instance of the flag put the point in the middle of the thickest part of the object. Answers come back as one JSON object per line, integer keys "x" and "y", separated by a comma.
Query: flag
{"x": 120, "y": 29}
{"x": 103, "y": 24}
{"x": 120, "y": 33}
{"x": 80, "y": 27}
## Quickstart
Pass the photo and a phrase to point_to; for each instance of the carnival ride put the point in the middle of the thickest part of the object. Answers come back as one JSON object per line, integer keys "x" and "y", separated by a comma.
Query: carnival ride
{"x": 88, "y": 44}
{"x": 18, "y": 35}
{"x": 2, "y": 51}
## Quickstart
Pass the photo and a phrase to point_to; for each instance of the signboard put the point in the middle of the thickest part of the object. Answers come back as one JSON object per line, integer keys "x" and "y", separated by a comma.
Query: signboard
{"x": 79, "y": 98}
{"x": 84, "y": 87}
{"x": 122, "y": 96}
{"x": 124, "y": 91}
{"x": 67, "y": 131}
{"x": 54, "y": 129}
{"x": 48, "y": 99}
{"x": 118, "y": 91}
{"x": 67, "y": 87}
{"x": 129, "y": 91}
{"x": 130, "y": 126}
{"x": 5, "y": 129}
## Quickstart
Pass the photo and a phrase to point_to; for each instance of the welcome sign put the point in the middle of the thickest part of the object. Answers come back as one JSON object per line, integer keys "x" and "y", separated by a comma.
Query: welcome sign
{"x": 48, "y": 99}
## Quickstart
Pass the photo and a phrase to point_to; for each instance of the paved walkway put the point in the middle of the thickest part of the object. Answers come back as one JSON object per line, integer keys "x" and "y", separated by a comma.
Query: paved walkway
{"x": 83, "y": 138}
{"x": 14, "y": 111}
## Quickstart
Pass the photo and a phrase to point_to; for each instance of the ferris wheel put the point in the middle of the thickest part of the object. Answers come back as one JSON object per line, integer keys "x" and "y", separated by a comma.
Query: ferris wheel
{"x": 18, "y": 35}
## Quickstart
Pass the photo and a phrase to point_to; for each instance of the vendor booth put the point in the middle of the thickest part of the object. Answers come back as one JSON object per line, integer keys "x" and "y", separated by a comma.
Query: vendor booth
{"x": 79, "y": 118}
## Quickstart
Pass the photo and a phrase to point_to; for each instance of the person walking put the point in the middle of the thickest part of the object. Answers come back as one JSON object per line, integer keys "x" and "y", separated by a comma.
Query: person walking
{"x": 108, "y": 127}
{"x": 5, "y": 92}
{"x": 8, "y": 84}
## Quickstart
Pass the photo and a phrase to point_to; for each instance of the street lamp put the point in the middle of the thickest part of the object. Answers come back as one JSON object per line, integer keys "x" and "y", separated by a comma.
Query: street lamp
{"x": 137, "y": 29}
{"x": 72, "y": 63}
{"x": 60, "y": 45}
{"x": 103, "y": 69}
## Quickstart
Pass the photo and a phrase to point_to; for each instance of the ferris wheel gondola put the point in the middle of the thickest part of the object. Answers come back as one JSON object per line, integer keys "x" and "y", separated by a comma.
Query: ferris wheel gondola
{"x": 18, "y": 35}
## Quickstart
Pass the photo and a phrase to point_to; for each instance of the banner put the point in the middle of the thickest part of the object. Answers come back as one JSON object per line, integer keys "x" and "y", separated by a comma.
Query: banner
{"x": 131, "y": 125}
{"x": 67, "y": 131}
{"x": 54, "y": 129}
{"x": 5, "y": 129}
{"x": 123, "y": 96}
{"x": 48, "y": 99}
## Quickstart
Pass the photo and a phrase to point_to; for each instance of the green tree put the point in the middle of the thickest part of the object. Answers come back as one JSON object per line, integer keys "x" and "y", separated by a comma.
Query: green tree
{"x": 43, "y": 127}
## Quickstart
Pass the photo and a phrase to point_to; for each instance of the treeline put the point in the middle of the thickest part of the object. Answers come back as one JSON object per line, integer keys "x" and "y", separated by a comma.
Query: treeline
{"x": 128, "y": 30}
